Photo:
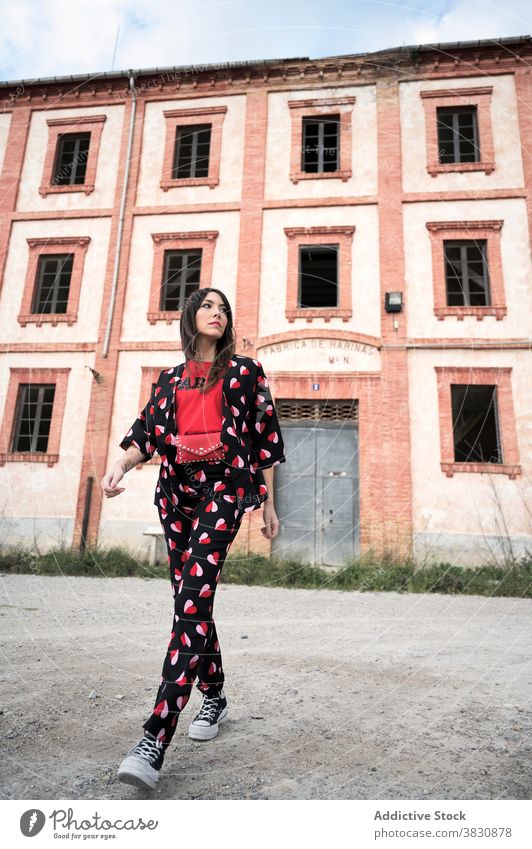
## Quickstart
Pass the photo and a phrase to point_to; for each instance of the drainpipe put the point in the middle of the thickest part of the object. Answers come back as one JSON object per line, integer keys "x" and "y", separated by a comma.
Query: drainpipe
{"x": 121, "y": 217}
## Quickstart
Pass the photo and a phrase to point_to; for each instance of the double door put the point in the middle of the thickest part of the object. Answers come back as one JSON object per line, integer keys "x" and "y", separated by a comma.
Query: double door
{"x": 316, "y": 494}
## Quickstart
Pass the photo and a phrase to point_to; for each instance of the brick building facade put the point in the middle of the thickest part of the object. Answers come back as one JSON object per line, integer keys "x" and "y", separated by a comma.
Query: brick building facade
{"x": 368, "y": 217}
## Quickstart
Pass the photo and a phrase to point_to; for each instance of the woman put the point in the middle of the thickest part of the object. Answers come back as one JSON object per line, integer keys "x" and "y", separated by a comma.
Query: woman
{"x": 216, "y": 406}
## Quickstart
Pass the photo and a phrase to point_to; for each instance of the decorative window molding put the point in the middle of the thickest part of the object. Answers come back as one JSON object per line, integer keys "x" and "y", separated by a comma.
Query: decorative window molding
{"x": 479, "y": 97}
{"x": 440, "y": 231}
{"x": 300, "y": 109}
{"x": 499, "y": 377}
{"x": 17, "y": 376}
{"x": 213, "y": 115}
{"x": 41, "y": 247}
{"x": 204, "y": 239}
{"x": 300, "y": 236}
{"x": 59, "y": 126}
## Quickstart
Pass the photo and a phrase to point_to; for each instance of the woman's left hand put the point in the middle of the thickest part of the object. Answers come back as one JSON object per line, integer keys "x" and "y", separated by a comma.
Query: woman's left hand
{"x": 271, "y": 522}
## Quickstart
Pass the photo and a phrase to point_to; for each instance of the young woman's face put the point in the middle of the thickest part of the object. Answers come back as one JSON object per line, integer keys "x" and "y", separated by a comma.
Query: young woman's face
{"x": 211, "y": 317}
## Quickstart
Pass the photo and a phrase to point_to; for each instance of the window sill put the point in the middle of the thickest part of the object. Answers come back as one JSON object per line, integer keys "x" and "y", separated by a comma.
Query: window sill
{"x": 29, "y": 457}
{"x": 309, "y": 313}
{"x": 87, "y": 188}
{"x": 211, "y": 182}
{"x": 164, "y": 315}
{"x": 482, "y": 468}
{"x": 296, "y": 176}
{"x": 47, "y": 318}
{"x": 436, "y": 168}
{"x": 460, "y": 312}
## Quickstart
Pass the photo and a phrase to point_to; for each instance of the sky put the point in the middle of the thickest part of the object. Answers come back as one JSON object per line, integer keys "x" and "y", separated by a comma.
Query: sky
{"x": 45, "y": 38}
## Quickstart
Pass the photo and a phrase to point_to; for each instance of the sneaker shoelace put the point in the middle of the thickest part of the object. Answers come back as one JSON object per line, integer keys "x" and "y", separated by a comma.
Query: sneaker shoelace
{"x": 209, "y": 707}
{"x": 148, "y": 749}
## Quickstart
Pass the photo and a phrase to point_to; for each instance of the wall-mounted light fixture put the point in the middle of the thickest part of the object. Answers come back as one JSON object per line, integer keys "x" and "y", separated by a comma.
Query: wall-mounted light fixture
{"x": 96, "y": 374}
{"x": 393, "y": 302}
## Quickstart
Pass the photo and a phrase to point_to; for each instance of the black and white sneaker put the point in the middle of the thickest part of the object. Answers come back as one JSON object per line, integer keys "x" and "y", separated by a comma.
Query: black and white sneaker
{"x": 142, "y": 763}
{"x": 213, "y": 711}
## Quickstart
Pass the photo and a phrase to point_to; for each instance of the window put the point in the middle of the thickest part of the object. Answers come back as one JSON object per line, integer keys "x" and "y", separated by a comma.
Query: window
{"x": 477, "y": 421}
{"x": 467, "y": 270}
{"x": 320, "y": 144}
{"x": 181, "y": 277}
{"x": 70, "y": 164}
{"x": 319, "y": 283}
{"x": 466, "y": 273}
{"x": 192, "y": 146}
{"x": 318, "y": 276}
{"x": 475, "y": 428}
{"x": 182, "y": 262}
{"x": 72, "y": 154}
{"x": 458, "y": 129}
{"x": 458, "y": 134}
{"x": 33, "y": 415}
{"x": 53, "y": 280}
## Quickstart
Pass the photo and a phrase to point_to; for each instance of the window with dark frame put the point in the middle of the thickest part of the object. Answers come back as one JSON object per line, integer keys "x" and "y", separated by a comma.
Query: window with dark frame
{"x": 457, "y": 134}
{"x": 320, "y": 144}
{"x": 466, "y": 273}
{"x": 33, "y": 416}
{"x": 181, "y": 276}
{"x": 71, "y": 159}
{"x": 318, "y": 276}
{"x": 476, "y": 432}
{"x": 192, "y": 150}
{"x": 52, "y": 284}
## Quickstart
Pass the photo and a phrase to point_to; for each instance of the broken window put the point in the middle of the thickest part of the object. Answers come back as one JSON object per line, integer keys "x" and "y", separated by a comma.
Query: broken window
{"x": 318, "y": 276}
{"x": 475, "y": 424}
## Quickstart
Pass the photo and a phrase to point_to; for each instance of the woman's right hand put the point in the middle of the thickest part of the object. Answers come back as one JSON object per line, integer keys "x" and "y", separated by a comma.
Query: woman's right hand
{"x": 110, "y": 482}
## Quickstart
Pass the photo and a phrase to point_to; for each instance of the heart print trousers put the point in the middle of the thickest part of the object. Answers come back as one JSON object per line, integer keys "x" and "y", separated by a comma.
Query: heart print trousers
{"x": 198, "y": 536}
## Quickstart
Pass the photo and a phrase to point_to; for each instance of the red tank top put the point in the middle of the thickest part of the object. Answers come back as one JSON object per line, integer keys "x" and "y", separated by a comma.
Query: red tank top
{"x": 196, "y": 412}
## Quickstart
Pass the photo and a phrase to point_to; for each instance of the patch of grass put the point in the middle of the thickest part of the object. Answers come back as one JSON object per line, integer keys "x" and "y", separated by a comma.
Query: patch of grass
{"x": 366, "y": 574}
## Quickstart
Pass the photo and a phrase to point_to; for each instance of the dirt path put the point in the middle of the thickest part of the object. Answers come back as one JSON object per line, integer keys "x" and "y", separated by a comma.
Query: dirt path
{"x": 331, "y": 694}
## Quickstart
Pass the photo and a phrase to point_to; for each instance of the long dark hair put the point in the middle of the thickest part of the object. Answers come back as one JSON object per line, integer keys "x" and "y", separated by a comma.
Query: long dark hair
{"x": 225, "y": 346}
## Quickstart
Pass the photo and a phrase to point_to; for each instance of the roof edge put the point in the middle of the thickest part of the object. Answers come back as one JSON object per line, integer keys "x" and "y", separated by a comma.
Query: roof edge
{"x": 399, "y": 52}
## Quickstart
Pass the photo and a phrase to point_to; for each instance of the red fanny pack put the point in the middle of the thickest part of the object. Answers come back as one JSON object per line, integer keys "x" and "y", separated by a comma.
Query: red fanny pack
{"x": 199, "y": 446}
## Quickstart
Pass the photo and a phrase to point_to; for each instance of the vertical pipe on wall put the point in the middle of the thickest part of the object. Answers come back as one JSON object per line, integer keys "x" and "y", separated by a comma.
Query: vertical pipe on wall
{"x": 121, "y": 218}
{"x": 86, "y": 513}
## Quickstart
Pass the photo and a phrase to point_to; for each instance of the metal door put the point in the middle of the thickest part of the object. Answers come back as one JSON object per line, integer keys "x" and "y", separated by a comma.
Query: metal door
{"x": 316, "y": 494}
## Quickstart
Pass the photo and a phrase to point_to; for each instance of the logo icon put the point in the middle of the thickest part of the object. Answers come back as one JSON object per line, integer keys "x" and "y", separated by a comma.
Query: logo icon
{"x": 32, "y": 822}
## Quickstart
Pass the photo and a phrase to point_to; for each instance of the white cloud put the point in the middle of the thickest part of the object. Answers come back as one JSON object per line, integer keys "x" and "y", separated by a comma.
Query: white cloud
{"x": 469, "y": 20}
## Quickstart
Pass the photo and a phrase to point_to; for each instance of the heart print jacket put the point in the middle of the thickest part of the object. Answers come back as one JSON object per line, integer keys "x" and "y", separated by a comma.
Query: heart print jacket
{"x": 250, "y": 432}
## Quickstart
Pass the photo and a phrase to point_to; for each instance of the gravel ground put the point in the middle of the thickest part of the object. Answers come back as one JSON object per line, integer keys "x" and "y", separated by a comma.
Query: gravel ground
{"x": 332, "y": 695}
